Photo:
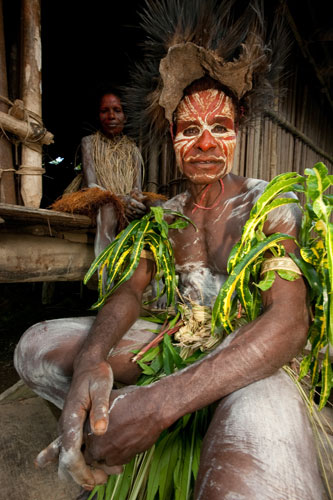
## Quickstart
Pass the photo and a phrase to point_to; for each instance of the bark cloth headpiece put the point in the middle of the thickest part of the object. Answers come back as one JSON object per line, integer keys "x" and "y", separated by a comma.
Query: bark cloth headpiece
{"x": 227, "y": 40}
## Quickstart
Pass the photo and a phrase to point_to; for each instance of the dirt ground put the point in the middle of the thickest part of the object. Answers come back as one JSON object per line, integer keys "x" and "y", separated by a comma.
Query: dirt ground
{"x": 23, "y": 304}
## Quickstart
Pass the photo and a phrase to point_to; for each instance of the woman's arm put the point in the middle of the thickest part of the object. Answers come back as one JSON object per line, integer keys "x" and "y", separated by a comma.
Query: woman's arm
{"x": 88, "y": 162}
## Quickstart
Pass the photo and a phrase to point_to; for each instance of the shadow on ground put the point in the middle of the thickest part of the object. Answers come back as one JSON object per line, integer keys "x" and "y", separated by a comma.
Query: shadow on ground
{"x": 23, "y": 304}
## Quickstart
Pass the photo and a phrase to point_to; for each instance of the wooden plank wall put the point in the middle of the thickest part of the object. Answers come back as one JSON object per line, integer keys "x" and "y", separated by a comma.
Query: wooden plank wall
{"x": 265, "y": 148}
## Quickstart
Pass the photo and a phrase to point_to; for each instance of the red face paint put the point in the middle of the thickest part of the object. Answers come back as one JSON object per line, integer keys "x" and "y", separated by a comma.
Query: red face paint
{"x": 205, "y": 137}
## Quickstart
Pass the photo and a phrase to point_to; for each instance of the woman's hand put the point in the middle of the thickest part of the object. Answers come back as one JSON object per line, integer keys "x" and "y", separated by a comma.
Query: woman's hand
{"x": 134, "y": 204}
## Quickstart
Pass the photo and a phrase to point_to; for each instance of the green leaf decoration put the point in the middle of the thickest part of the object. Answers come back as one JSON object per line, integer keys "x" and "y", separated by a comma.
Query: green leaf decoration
{"x": 119, "y": 260}
{"x": 287, "y": 275}
{"x": 327, "y": 382}
{"x": 222, "y": 306}
{"x": 168, "y": 470}
{"x": 267, "y": 282}
{"x": 316, "y": 264}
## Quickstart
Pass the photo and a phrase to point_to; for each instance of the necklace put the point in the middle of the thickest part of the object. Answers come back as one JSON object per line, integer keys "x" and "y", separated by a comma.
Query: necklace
{"x": 203, "y": 196}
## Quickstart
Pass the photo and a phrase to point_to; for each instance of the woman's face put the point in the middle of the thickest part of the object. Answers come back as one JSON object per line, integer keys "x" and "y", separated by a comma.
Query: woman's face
{"x": 111, "y": 115}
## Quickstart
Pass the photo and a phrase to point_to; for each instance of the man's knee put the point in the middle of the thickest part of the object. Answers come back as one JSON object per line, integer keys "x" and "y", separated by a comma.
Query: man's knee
{"x": 43, "y": 357}
{"x": 26, "y": 352}
{"x": 260, "y": 445}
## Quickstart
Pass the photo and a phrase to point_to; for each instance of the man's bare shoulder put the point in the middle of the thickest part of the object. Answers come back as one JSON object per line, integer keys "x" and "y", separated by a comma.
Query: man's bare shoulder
{"x": 286, "y": 218}
{"x": 250, "y": 187}
{"x": 177, "y": 203}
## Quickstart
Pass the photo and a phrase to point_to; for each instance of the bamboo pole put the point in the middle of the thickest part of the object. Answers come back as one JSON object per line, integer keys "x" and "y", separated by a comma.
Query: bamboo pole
{"x": 243, "y": 148}
{"x": 236, "y": 162}
{"x": 256, "y": 149}
{"x": 7, "y": 180}
{"x": 31, "y": 168}
{"x": 25, "y": 130}
{"x": 269, "y": 150}
{"x": 152, "y": 180}
{"x": 261, "y": 148}
{"x": 249, "y": 152}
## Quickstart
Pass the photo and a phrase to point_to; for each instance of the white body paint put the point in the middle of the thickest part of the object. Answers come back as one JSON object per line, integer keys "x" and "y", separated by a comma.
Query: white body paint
{"x": 198, "y": 283}
{"x": 266, "y": 420}
{"x": 44, "y": 376}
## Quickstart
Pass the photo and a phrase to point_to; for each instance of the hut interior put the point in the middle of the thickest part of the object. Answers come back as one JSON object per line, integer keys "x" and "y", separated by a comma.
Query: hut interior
{"x": 44, "y": 255}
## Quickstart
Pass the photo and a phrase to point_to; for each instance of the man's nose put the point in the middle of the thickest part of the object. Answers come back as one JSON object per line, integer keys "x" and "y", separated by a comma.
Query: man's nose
{"x": 206, "y": 141}
{"x": 111, "y": 113}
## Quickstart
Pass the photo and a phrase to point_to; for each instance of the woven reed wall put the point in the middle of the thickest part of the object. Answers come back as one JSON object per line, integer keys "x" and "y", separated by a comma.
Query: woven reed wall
{"x": 267, "y": 148}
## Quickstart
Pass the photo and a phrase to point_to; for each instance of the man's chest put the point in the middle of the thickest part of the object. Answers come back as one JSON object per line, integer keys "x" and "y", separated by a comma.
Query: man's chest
{"x": 211, "y": 242}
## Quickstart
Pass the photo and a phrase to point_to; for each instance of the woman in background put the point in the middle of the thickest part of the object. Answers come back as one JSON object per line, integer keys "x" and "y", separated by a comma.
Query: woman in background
{"x": 112, "y": 161}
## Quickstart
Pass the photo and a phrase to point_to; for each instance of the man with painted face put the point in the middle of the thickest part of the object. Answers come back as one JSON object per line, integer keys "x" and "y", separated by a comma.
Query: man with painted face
{"x": 259, "y": 433}
{"x": 259, "y": 443}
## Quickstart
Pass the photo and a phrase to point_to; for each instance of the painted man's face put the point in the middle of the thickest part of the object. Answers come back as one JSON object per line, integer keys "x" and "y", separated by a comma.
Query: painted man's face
{"x": 111, "y": 115}
{"x": 205, "y": 138}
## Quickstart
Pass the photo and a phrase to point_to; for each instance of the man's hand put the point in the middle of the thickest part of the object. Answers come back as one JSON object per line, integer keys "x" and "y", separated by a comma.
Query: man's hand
{"x": 134, "y": 427}
{"x": 89, "y": 393}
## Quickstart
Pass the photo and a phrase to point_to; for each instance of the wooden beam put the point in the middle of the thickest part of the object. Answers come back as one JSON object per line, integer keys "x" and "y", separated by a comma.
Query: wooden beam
{"x": 15, "y": 214}
{"x": 27, "y": 258}
{"x": 31, "y": 168}
{"x": 24, "y": 130}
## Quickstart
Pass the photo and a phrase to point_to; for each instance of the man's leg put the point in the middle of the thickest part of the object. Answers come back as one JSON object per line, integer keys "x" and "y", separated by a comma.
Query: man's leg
{"x": 45, "y": 354}
{"x": 259, "y": 446}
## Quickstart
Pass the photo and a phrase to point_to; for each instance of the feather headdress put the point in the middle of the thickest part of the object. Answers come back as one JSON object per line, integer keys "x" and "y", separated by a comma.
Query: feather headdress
{"x": 227, "y": 40}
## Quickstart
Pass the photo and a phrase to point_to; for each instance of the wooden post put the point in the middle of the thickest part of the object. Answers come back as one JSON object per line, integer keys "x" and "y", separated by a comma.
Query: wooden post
{"x": 31, "y": 168}
{"x": 152, "y": 180}
{"x": 7, "y": 180}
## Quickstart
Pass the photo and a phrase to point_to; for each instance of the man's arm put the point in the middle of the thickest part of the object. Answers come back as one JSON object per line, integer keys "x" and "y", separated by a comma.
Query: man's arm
{"x": 92, "y": 378}
{"x": 256, "y": 351}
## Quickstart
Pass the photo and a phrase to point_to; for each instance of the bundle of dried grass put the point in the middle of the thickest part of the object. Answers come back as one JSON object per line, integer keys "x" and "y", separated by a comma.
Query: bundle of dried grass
{"x": 196, "y": 332}
{"x": 88, "y": 201}
{"x": 117, "y": 162}
{"x": 153, "y": 197}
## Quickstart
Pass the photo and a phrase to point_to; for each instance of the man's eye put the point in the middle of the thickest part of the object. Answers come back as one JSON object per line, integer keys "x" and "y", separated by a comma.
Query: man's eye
{"x": 219, "y": 129}
{"x": 191, "y": 131}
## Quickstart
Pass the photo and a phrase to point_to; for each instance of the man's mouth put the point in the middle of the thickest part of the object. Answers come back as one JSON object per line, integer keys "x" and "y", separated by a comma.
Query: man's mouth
{"x": 208, "y": 160}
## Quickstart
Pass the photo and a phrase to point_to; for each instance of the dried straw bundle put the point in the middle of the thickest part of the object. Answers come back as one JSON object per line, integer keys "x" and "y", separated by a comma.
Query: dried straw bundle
{"x": 117, "y": 162}
{"x": 196, "y": 332}
{"x": 153, "y": 197}
{"x": 88, "y": 201}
